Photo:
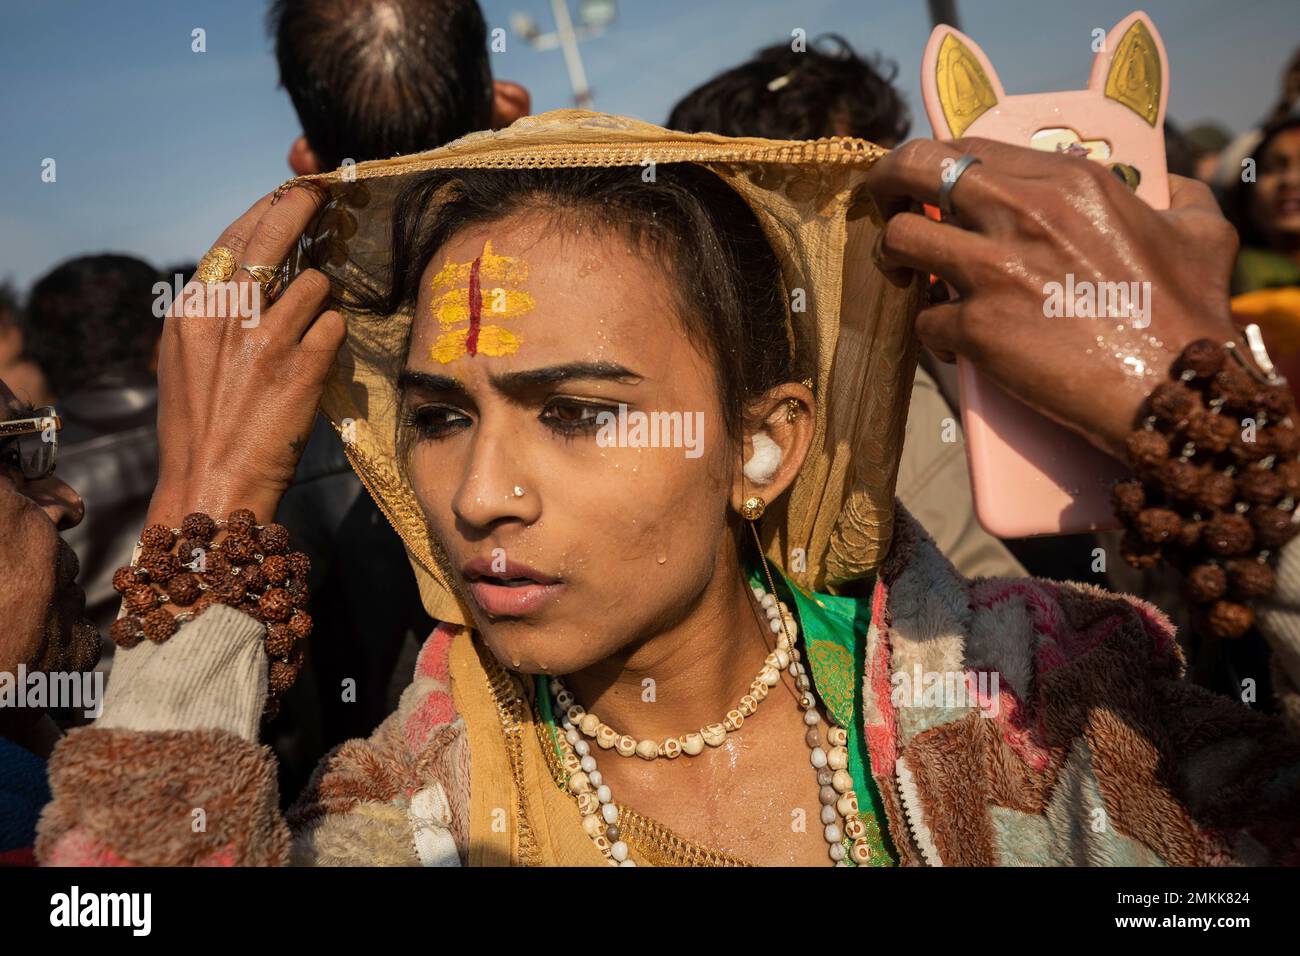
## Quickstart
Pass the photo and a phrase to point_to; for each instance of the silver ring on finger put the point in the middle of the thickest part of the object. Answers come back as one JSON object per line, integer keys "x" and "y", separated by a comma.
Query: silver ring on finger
{"x": 950, "y": 178}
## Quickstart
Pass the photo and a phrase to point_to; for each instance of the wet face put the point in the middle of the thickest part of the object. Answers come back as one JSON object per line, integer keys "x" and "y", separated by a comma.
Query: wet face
{"x": 1275, "y": 198}
{"x": 43, "y": 608}
{"x": 570, "y": 536}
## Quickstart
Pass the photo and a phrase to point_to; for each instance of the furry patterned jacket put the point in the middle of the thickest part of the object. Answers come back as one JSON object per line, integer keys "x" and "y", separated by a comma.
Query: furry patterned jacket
{"x": 1099, "y": 753}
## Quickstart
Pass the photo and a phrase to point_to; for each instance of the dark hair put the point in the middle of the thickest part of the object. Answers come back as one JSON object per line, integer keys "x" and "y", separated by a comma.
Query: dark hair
{"x": 1236, "y": 199}
{"x": 11, "y": 309}
{"x": 728, "y": 287}
{"x": 91, "y": 318}
{"x": 377, "y": 79}
{"x": 818, "y": 92}
{"x": 1179, "y": 158}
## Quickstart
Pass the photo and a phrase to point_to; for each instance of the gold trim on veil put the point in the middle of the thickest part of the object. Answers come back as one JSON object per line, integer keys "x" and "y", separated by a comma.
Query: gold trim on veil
{"x": 836, "y": 522}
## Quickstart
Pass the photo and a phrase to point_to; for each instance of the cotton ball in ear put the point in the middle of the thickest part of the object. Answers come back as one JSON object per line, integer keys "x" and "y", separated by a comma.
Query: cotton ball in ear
{"x": 762, "y": 465}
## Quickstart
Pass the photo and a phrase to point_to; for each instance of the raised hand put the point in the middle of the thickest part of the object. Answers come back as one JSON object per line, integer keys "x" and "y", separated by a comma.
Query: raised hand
{"x": 239, "y": 387}
{"x": 1030, "y": 219}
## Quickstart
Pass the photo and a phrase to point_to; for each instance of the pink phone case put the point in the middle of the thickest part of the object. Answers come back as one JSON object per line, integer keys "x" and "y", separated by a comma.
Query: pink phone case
{"x": 1030, "y": 475}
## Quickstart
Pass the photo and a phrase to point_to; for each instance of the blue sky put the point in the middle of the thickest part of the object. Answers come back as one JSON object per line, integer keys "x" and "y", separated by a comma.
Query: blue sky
{"x": 158, "y": 147}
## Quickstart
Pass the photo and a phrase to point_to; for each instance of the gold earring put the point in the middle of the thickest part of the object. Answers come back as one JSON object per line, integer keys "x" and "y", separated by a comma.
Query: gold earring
{"x": 791, "y": 410}
{"x": 753, "y": 508}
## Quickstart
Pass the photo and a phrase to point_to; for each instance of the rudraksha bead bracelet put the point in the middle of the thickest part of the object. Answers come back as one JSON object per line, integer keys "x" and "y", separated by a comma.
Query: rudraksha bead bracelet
{"x": 181, "y": 572}
{"x": 1217, "y": 480}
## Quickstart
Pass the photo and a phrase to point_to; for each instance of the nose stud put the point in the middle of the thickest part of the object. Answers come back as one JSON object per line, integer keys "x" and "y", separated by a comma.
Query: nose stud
{"x": 519, "y": 492}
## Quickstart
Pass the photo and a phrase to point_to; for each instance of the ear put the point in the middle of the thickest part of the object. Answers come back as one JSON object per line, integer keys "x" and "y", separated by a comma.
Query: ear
{"x": 958, "y": 83}
{"x": 510, "y": 101}
{"x": 786, "y": 415}
{"x": 1132, "y": 68}
{"x": 302, "y": 160}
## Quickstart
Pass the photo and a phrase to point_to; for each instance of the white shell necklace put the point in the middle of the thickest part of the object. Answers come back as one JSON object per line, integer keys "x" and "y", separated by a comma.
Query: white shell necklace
{"x": 600, "y": 814}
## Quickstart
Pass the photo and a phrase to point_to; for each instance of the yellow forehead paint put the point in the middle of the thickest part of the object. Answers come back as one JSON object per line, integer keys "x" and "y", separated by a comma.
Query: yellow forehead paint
{"x": 465, "y": 293}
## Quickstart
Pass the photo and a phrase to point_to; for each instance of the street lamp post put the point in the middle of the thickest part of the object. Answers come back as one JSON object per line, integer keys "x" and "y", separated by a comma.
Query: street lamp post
{"x": 594, "y": 16}
{"x": 944, "y": 11}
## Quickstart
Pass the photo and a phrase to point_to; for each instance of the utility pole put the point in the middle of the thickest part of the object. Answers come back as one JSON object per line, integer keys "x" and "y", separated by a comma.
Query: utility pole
{"x": 594, "y": 16}
{"x": 945, "y": 12}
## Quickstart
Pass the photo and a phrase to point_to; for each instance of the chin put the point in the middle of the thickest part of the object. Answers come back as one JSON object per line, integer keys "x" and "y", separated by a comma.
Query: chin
{"x": 79, "y": 647}
{"x": 529, "y": 649}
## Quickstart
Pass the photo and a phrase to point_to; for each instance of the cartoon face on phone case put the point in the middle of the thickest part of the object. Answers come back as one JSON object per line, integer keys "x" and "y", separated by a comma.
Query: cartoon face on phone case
{"x": 1030, "y": 475}
{"x": 1118, "y": 118}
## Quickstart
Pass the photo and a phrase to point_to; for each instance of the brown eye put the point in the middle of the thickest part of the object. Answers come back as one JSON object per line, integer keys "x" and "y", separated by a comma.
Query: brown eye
{"x": 573, "y": 417}
{"x": 436, "y": 421}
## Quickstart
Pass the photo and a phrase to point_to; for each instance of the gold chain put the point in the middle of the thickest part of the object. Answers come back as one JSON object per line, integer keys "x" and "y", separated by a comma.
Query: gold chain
{"x": 653, "y": 842}
{"x": 510, "y": 711}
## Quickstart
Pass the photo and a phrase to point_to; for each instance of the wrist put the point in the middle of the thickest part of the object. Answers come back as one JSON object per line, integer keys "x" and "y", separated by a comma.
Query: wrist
{"x": 172, "y": 500}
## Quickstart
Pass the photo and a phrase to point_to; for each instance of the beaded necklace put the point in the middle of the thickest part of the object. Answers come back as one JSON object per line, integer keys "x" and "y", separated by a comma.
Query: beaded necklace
{"x": 845, "y": 833}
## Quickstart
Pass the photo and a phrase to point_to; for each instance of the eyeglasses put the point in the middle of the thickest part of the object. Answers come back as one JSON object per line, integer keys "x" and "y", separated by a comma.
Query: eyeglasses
{"x": 31, "y": 444}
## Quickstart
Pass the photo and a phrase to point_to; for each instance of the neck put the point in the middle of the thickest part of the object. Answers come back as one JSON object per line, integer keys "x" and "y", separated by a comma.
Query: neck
{"x": 685, "y": 676}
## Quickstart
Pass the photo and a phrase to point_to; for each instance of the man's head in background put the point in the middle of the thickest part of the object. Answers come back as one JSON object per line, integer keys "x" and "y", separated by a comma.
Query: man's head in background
{"x": 90, "y": 322}
{"x": 16, "y": 366}
{"x": 1207, "y": 142}
{"x": 371, "y": 79}
{"x": 827, "y": 90}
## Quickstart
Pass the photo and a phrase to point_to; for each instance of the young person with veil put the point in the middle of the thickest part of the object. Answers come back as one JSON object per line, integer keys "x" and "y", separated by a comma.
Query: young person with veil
{"x": 662, "y": 642}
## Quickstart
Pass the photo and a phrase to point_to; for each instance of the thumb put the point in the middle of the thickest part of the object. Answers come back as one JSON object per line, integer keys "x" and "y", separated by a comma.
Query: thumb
{"x": 940, "y": 330}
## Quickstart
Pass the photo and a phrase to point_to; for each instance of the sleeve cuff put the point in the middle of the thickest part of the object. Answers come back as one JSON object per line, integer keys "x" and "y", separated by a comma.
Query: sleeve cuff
{"x": 210, "y": 674}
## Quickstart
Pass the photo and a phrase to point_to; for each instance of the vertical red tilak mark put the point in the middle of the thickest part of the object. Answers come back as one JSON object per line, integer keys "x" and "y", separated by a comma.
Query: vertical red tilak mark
{"x": 475, "y": 307}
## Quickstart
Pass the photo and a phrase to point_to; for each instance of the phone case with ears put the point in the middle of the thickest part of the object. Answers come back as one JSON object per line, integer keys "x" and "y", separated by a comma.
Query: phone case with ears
{"x": 1030, "y": 475}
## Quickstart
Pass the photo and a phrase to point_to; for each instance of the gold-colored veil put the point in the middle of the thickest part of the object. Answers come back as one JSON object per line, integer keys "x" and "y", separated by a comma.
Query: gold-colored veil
{"x": 836, "y": 522}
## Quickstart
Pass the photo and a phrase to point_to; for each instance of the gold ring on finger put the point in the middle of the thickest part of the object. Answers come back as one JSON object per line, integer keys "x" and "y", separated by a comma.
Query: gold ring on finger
{"x": 217, "y": 265}
{"x": 267, "y": 279}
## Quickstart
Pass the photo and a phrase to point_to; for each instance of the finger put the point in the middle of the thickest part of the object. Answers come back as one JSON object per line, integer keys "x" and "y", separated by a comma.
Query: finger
{"x": 280, "y": 227}
{"x": 939, "y": 329}
{"x": 236, "y": 235}
{"x": 301, "y": 303}
{"x": 235, "y": 238}
{"x": 909, "y": 174}
{"x": 326, "y": 333}
{"x": 1193, "y": 194}
{"x": 917, "y": 242}
{"x": 983, "y": 196}
{"x": 1193, "y": 207}
{"x": 1023, "y": 162}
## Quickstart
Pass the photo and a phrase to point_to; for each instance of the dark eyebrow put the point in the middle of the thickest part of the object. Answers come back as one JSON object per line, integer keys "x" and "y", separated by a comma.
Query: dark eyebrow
{"x": 433, "y": 383}
{"x": 512, "y": 383}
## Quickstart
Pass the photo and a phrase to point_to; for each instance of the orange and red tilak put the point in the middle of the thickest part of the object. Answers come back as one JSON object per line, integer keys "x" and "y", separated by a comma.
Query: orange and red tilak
{"x": 461, "y": 290}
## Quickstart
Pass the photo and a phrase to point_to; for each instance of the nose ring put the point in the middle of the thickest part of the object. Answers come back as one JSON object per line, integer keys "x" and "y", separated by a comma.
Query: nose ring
{"x": 519, "y": 492}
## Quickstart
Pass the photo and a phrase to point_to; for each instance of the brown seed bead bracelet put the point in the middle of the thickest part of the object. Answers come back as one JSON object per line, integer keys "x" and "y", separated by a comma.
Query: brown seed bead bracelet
{"x": 250, "y": 569}
{"x": 1217, "y": 480}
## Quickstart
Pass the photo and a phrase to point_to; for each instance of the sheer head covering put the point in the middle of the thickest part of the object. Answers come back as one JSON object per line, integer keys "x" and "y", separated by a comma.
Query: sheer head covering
{"x": 834, "y": 524}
